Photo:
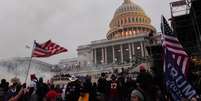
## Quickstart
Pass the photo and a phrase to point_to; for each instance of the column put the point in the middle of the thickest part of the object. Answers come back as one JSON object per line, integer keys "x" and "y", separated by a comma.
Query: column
{"x": 102, "y": 57}
{"x": 133, "y": 47}
{"x": 130, "y": 53}
{"x": 113, "y": 54}
{"x": 142, "y": 49}
{"x": 95, "y": 59}
{"x": 105, "y": 55}
{"x": 93, "y": 56}
{"x": 122, "y": 58}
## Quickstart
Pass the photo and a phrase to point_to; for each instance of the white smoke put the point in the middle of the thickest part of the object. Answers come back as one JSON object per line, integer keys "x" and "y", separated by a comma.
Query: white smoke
{"x": 19, "y": 68}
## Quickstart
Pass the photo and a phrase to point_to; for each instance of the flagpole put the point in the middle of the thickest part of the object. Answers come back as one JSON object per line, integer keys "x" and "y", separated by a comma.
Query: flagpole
{"x": 164, "y": 50}
{"x": 162, "y": 24}
{"x": 29, "y": 65}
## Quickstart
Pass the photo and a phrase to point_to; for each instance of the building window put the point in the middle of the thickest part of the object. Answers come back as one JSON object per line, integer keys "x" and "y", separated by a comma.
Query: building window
{"x": 133, "y": 19}
{"x": 129, "y": 20}
{"x": 121, "y": 21}
{"x": 138, "y": 48}
{"x": 125, "y": 9}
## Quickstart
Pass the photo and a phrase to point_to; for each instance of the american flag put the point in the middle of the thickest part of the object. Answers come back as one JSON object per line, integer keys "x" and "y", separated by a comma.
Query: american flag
{"x": 172, "y": 44}
{"x": 47, "y": 49}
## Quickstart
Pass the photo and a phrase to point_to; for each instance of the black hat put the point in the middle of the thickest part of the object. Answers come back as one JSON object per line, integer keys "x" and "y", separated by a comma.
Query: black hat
{"x": 103, "y": 74}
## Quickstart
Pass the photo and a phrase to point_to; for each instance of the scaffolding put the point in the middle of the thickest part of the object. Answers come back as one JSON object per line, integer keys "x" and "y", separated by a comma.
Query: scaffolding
{"x": 179, "y": 8}
{"x": 185, "y": 20}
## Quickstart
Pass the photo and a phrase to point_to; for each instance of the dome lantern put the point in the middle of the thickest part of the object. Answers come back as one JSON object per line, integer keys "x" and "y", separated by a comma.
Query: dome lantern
{"x": 127, "y": 1}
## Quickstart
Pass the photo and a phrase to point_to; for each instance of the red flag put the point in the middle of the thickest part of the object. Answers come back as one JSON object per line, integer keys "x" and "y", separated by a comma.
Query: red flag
{"x": 47, "y": 49}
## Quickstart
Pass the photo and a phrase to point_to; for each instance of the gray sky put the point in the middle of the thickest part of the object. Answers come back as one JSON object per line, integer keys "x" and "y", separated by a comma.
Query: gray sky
{"x": 67, "y": 22}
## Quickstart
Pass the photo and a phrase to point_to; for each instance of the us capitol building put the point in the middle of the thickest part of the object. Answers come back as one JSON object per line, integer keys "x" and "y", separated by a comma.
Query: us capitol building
{"x": 129, "y": 33}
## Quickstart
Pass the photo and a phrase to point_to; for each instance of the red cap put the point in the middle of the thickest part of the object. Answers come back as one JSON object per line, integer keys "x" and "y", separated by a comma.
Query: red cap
{"x": 52, "y": 94}
{"x": 142, "y": 68}
{"x": 33, "y": 76}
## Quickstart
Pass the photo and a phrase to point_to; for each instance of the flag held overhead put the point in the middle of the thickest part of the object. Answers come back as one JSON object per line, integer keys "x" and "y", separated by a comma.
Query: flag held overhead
{"x": 47, "y": 49}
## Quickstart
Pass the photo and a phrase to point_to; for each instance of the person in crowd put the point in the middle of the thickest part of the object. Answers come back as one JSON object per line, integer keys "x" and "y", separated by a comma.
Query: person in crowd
{"x": 3, "y": 89}
{"x": 52, "y": 94}
{"x": 84, "y": 95}
{"x": 73, "y": 89}
{"x": 33, "y": 84}
{"x": 33, "y": 87}
{"x": 94, "y": 92}
{"x": 87, "y": 85}
{"x": 58, "y": 89}
{"x": 14, "y": 88}
{"x": 129, "y": 87}
{"x": 41, "y": 90}
{"x": 63, "y": 92}
{"x": 20, "y": 95}
{"x": 121, "y": 87}
{"x": 25, "y": 96}
{"x": 114, "y": 88}
{"x": 102, "y": 87}
{"x": 12, "y": 92}
{"x": 159, "y": 95}
{"x": 145, "y": 85}
{"x": 136, "y": 95}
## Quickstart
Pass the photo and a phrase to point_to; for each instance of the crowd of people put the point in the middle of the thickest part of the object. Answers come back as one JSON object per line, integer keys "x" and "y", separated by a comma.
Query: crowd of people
{"x": 114, "y": 87}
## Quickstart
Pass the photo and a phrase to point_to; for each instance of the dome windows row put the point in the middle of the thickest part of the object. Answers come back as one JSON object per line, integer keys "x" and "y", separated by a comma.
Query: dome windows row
{"x": 128, "y": 32}
{"x": 128, "y": 8}
{"x": 120, "y": 22}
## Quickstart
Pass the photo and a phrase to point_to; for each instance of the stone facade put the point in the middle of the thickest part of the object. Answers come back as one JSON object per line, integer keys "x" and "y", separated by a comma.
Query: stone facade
{"x": 122, "y": 51}
{"x": 130, "y": 31}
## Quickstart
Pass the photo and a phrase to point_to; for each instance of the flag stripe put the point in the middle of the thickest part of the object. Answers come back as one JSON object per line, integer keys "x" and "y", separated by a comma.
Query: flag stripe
{"x": 176, "y": 51}
{"x": 172, "y": 44}
{"x": 174, "y": 47}
{"x": 185, "y": 64}
{"x": 178, "y": 60}
{"x": 171, "y": 38}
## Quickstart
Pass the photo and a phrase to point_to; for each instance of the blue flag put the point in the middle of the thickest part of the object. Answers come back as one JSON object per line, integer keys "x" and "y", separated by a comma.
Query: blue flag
{"x": 176, "y": 83}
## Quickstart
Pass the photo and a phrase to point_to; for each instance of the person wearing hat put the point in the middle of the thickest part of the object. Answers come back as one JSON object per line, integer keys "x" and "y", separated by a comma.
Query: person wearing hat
{"x": 72, "y": 91}
{"x": 136, "y": 95}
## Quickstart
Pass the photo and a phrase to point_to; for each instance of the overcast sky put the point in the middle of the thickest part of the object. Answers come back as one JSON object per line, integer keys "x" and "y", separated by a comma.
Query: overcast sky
{"x": 69, "y": 23}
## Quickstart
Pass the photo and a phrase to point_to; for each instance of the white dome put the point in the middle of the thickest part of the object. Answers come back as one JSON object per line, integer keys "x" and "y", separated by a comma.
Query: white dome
{"x": 128, "y": 6}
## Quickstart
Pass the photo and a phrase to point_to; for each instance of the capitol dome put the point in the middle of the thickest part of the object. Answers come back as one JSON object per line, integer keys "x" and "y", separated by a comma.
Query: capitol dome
{"x": 129, "y": 20}
{"x": 128, "y": 6}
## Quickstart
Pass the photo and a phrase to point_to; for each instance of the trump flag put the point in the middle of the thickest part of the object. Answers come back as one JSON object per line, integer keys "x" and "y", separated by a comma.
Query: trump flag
{"x": 176, "y": 63}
